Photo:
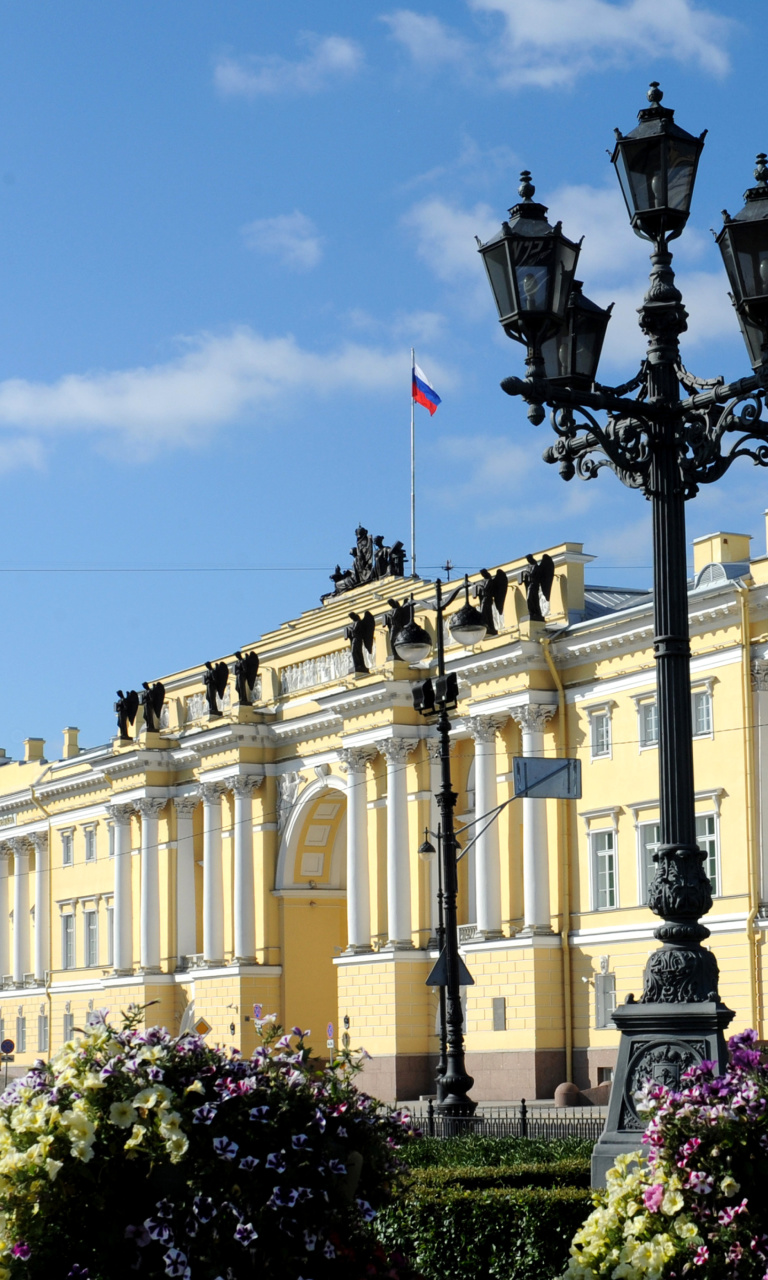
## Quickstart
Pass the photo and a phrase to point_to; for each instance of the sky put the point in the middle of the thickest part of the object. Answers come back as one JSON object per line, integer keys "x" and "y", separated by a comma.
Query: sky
{"x": 223, "y": 227}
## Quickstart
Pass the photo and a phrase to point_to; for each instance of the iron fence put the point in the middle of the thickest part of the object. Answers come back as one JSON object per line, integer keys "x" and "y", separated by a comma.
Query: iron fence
{"x": 512, "y": 1122}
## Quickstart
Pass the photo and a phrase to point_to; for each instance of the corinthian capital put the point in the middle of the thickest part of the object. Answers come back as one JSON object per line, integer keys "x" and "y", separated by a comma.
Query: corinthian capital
{"x": 396, "y": 750}
{"x": 121, "y": 813}
{"x": 533, "y": 717}
{"x": 186, "y": 805}
{"x": 483, "y": 728}
{"x": 150, "y": 806}
{"x": 211, "y": 792}
{"x": 760, "y": 674}
{"x": 39, "y": 839}
{"x": 246, "y": 784}
{"x": 354, "y": 759}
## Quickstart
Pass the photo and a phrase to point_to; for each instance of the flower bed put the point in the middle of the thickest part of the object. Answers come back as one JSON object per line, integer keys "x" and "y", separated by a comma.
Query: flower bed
{"x": 136, "y": 1154}
{"x": 695, "y": 1204}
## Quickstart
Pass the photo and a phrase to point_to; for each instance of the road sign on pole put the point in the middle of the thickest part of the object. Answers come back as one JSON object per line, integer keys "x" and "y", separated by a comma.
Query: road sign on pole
{"x": 538, "y": 778}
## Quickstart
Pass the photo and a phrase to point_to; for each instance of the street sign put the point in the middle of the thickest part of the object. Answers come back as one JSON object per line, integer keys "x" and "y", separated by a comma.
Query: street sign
{"x": 202, "y": 1027}
{"x": 439, "y": 975}
{"x": 329, "y": 1044}
{"x": 7, "y": 1046}
{"x": 547, "y": 779}
{"x": 329, "y": 1031}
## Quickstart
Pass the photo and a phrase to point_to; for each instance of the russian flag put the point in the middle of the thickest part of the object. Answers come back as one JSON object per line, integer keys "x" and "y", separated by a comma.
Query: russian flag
{"x": 421, "y": 391}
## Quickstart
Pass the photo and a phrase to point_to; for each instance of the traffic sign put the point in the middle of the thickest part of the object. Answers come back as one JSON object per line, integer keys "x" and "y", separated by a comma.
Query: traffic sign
{"x": 552, "y": 779}
{"x": 202, "y": 1027}
{"x": 7, "y": 1046}
{"x": 329, "y": 1030}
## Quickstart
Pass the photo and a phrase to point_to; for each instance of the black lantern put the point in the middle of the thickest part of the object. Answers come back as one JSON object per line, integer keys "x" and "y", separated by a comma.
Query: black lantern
{"x": 571, "y": 357}
{"x": 656, "y": 164}
{"x": 743, "y": 243}
{"x": 468, "y": 626}
{"x": 530, "y": 267}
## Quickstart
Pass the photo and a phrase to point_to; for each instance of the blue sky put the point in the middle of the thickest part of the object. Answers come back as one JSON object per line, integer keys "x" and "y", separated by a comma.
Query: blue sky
{"x": 222, "y": 227}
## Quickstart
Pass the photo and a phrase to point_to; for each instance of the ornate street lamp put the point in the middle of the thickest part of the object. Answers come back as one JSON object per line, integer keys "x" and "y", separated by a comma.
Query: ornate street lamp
{"x": 572, "y": 355}
{"x": 667, "y": 446}
{"x": 436, "y": 698}
{"x": 429, "y": 854}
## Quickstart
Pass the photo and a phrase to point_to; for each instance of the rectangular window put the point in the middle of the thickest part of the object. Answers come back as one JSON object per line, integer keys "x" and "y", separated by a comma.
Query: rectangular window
{"x": 649, "y": 843}
{"x": 69, "y": 1026}
{"x": 90, "y": 844}
{"x": 68, "y": 941}
{"x": 90, "y": 925}
{"x": 605, "y": 999}
{"x": 2, "y": 1028}
{"x": 649, "y": 724}
{"x": 67, "y": 853}
{"x": 499, "y": 1013}
{"x": 21, "y": 1035}
{"x": 702, "y": 713}
{"x": 601, "y": 735}
{"x": 706, "y": 839}
{"x": 42, "y": 1033}
{"x": 110, "y": 935}
{"x": 111, "y": 830}
{"x": 603, "y": 869}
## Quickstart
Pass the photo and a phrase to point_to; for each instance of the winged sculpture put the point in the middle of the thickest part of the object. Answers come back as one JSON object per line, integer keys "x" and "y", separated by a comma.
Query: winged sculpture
{"x": 246, "y": 671}
{"x": 492, "y": 592}
{"x": 360, "y": 636}
{"x": 126, "y": 708}
{"x": 395, "y": 620}
{"x": 151, "y": 699}
{"x": 537, "y": 580}
{"x": 215, "y": 679}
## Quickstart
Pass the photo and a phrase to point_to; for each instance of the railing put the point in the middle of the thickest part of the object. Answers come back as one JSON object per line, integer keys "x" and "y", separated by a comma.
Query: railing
{"x": 514, "y": 1122}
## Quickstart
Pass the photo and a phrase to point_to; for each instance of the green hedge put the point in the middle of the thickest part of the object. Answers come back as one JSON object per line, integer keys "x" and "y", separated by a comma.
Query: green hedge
{"x": 560, "y": 1173}
{"x": 424, "y": 1153}
{"x": 501, "y": 1233}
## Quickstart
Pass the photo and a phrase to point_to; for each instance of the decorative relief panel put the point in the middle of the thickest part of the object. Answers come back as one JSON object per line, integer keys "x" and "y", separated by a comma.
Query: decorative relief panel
{"x": 657, "y": 1062}
{"x": 320, "y": 670}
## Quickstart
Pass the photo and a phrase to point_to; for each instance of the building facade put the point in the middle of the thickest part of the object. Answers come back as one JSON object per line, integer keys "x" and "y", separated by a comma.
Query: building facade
{"x": 266, "y": 854}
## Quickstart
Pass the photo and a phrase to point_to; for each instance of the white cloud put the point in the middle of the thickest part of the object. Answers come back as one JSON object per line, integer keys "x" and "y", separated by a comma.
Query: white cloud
{"x": 549, "y": 42}
{"x": 292, "y": 237}
{"x": 217, "y": 381}
{"x": 552, "y": 42}
{"x": 330, "y": 58}
{"x": 445, "y": 240}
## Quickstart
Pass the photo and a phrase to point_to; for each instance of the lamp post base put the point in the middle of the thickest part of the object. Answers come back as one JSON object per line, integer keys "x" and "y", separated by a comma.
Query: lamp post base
{"x": 658, "y": 1043}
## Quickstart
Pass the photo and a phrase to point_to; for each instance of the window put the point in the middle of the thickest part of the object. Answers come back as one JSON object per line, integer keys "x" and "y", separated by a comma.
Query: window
{"x": 2, "y": 1028}
{"x": 42, "y": 1033}
{"x": 499, "y": 1013}
{"x": 701, "y": 710}
{"x": 67, "y": 852}
{"x": 648, "y": 715}
{"x": 69, "y": 1026}
{"x": 21, "y": 1034}
{"x": 111, "y": 830}
{"x": 110, "y": 935}
{"x": 603, "y": 869}
{"x": 605, "y": 999}
{"x": 68, "y": 941}
{"x": 706, "y": 839}
{"x": 605, "y": 1075}
{"x": 90, "y": 924}
{"x": 601, "y": 735}
{"x": 90, "y": 844}
{"x": 649, "y": 835}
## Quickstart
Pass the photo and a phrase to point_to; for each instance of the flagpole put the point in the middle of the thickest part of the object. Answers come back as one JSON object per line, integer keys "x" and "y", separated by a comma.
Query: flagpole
{"x": 413, "y": 477}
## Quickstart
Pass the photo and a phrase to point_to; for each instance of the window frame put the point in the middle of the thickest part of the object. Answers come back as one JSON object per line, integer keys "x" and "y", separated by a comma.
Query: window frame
{"x": 43, "y": 1033}
{"x": 642, "y": 861}
{"x": 68, "y": 1026}
{"x": 21, "y": 1033}
{"x": 89, "y": 835}
{"x": 605, "y": 1000}
{"x": 91, "y": 935}
{"x": 596, "y": 712}
{"x": 68, "y": 954}
{"x": 67, "y": 844}
{"x": 596, "y": 833}
{"x": 714, "y": 814}
{"x": 703, "y": 688}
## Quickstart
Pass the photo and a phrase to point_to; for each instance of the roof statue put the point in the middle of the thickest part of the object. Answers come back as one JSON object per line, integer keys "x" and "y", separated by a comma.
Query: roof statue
{"x": 126, "y": 708}
{"x": 215, "y": 680}
{"x": 360, "y": 636}
{"x": 151, "y": 699}
{"x": 491, "y": 592}
{"x": 372, "y": 559}
{"x": 537, "y": 580}
{"x": 246, "y": 671}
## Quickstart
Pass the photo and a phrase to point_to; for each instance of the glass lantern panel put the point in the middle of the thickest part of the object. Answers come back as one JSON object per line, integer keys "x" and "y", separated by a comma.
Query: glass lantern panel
{"x": 585, "y": 353}
{"x": 753, "y": 337}
{"x": 565, "y": 266}
{"x": 497, "y": 266}
{"x": 751, "y": 245}
{"x": 642, "y": 175}
{"x": 555, "y": 355}
{"x": 729, "y": 262}
{"x": 532, "y": 287}
{"x": 681, "y": 166}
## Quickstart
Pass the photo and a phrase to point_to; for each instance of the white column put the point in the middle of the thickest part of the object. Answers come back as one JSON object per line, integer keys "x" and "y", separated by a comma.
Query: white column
{"x": 123, "y": 896}
{"x": 243, "y": 879}
{"x": 149, "y": 909}
{"x": 487, "y": 858}
{"x": 42, "y": 921}
{"x": 213, "y": 875}
{"x": 186, "y": 907}
{"x": 353, "y": 761}
{"x": 532, "y": 719}
{"x": 399, "y": 926}
{"x": 5, "y": 924}
{"x": 20, "y": 848}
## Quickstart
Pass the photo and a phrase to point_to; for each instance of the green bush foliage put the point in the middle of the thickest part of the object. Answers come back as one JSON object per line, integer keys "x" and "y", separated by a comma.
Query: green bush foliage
{"x": 500, "y": 1233}
{"x": 560, "y": 1173}
{"x": 425, "y": 1153}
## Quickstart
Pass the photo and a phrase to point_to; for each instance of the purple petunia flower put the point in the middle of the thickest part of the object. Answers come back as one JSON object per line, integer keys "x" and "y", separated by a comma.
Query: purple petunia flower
{"x": 225, "y": 1148}
{"x": 329, "y": 1250}
{"x": 248, "y": 1163}
{"x": 158, "y": 1230}
{"x": 299, "y": 1140}
{"x": 258, "y": 1113}
{"x": 203, "y": 1208}
{"x": 204, "y": 1114}
{"x": 337, "y": 1167}
{"x": 175, "y": 1263}
{"x": 276, "y": 1160}
{"x": 76, "y": 1272}
{"x": 139, "y": 1234}
{"x": 367, "y": 1213}
{"x": 283, "y": 1197}
{"x": 21, "y": 1250}
{"x": 310, "y": 1240}
{"x": 245, "y": 1233}
{"x": 164, "y": 1210}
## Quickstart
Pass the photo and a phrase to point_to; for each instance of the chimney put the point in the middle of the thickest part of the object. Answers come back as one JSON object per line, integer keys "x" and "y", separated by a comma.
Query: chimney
{"x": 70, "y": 744}
{"x": 33, "y": 750}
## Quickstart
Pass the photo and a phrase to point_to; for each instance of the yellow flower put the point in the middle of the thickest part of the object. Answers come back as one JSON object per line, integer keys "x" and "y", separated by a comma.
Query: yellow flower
{"x": 136, "y": 1137}
{"x": 685, "y": 1229}
{"x": 52, "y": 1168}
{"x": 123, "y": 1114}
{"x": 92, "y": 1081}
{"x": 729, "y": 1186}
{"x": 672, "y": 1203}
{"x": 195, "y": 1087}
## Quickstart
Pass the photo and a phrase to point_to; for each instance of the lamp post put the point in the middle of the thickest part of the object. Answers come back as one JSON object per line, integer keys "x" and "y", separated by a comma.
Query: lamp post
{"x": 667, "y": 446}
{"x": 437, "y": 698}
{"x": 429, "y": 854}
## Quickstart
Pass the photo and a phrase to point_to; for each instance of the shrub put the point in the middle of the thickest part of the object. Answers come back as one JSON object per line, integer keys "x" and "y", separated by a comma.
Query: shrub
{"x": 423, "y": 1153}
{"x": 502, "y": 1233}
{"x": 134, "y": 1152}
{"x": 559, "y": 1173}
{"x": 694, "y": 1205}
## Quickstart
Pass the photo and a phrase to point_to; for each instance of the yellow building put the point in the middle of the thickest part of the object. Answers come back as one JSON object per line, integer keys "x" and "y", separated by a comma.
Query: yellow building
{"x": 267, "y": 854}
